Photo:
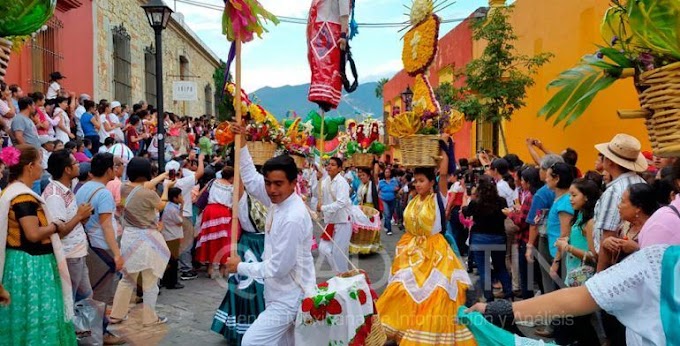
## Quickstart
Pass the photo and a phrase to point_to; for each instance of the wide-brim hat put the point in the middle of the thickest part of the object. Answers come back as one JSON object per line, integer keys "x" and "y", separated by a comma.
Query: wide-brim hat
{"x": 56, "y": 75}
{"x": 625, "y": 151}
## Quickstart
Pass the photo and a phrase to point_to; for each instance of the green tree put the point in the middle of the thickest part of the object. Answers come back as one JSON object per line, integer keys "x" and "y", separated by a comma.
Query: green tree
{"x": 496, "y": 83}
{"x": 379, "y": 88}
{"x": 224, "y": 101}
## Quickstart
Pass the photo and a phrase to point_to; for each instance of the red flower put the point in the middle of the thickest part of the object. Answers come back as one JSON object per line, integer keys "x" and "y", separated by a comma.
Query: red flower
{"x": 334, "y": 307}
{"x": 319, "y": 313}
{"x": 307, "y": 305}
{"x": 362, "y": 297}
{"x": 322, "y": 285}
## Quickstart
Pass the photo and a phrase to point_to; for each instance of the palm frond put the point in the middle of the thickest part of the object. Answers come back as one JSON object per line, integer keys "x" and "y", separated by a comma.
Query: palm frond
{"x": 579, "y": 86}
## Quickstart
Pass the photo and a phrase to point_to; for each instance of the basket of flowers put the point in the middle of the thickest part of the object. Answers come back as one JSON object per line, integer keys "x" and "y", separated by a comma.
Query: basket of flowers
{"x": 364, "y": 144}
{"x": 642, "y": 41}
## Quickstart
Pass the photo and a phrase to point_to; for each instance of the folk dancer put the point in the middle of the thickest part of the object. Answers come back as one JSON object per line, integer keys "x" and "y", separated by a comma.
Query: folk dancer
{"x": 287, "y": 266}
{"x": 335, "y": 207}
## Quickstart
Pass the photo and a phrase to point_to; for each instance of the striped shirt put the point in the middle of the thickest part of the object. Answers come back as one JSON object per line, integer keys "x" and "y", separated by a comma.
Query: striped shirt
{"x": 607, "y": 217}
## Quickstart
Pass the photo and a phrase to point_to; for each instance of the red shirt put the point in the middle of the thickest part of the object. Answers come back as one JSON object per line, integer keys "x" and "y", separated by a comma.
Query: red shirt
{"x": 132, "y": 132}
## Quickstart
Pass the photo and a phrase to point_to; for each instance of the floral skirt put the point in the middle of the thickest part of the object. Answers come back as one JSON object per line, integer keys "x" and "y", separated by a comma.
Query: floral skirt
{"x": 214, "y": 240}
{"x": 35, "y": 315}
{"x": 244, "y": 300}
{"x": 426, "y": 287}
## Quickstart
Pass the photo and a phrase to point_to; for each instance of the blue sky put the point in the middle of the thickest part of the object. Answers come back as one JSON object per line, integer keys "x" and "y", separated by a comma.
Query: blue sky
{"x": 280, "y": 57}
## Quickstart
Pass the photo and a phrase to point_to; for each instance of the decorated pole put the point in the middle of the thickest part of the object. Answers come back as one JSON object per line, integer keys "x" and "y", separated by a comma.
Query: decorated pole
{"x": 241, "y": 21}
{"x": 237, "y": 155}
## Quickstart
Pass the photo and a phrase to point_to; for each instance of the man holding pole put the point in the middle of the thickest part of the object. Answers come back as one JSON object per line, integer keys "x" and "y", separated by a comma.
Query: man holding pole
{"x": 287, "y": 266}
{"x": 335, "y": 206}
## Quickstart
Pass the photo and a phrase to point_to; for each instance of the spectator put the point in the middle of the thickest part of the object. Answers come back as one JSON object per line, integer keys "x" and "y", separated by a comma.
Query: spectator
{"x": 108, "y": 143}
{"x": 90, "y": 124}
{"x": 559, "y": 179}
{"x": 54, "y": 89}
{"x": 60, "y": 117}
{"x": 145, "y": 251}
{"x": 489, "y": 229}
{"x": 80, "y": 152}
{"x": 114, "y": 121}
{"x": 387, "y": 189}
{"x": 106, "y": 129}
{"x": 664, "y": 226}
{"x": 17, "y": 93}
{"x": 505, "y": 184}
{"x": 7, "y": 108}
{"x": 43, "y": 121}
{"x": 105, "y": 258}
{"x": 83, "y": 177}
{"x": 41, "y": 304}
{"x": 621, "y": 159}
{"x": 80, "y": 110}
{"x": 172, "y": 233}
{"x": 23, "y": 125}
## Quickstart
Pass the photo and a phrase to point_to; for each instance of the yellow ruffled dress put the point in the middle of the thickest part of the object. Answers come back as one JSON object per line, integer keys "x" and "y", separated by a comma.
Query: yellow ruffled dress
{"x": 427, "y": 283}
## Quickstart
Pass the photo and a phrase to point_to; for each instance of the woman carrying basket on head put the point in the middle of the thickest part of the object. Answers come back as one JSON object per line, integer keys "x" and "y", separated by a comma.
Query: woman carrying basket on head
{"x": 427, "y": 283}
{"x": 366, "y": 216}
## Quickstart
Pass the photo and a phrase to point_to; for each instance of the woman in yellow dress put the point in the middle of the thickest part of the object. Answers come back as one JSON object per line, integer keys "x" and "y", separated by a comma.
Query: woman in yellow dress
{"x": 427, "y": 281}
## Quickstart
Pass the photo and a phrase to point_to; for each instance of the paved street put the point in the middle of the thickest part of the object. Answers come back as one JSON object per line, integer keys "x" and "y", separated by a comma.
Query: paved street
{"x": 190, "y": 310}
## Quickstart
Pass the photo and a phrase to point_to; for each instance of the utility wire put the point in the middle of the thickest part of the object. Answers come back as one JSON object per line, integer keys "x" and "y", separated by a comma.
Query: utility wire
{"x": 303, "y": 21}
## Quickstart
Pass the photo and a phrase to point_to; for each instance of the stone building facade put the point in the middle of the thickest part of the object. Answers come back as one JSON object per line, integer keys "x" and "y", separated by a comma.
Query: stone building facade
{"x": 124, "y": 58}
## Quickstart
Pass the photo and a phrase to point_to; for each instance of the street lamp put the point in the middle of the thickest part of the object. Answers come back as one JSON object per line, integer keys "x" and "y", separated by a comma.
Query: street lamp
{"x": 407, "y": 98}
{"x": 159, "y": 14}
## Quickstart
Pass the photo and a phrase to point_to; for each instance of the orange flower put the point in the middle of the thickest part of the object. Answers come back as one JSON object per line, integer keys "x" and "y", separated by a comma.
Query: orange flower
{"x": 420, "y": 46}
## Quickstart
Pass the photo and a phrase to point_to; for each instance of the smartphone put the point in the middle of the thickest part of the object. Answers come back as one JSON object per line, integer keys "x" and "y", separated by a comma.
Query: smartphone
{"x": 172, "y": 174}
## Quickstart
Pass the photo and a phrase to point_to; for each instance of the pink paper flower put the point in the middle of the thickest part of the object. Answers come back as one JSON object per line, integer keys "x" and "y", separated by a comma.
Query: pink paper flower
{"x": 10, "y": 156}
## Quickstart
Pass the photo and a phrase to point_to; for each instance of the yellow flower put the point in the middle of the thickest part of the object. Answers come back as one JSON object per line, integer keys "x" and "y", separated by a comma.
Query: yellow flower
{"x": 420, "y": 10}
{"x": 423, "y": 96}
{"x": 420, "y": 46}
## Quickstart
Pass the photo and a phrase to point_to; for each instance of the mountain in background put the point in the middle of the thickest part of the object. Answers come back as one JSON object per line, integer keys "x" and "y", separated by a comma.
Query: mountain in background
{"x": 279, "y": 101}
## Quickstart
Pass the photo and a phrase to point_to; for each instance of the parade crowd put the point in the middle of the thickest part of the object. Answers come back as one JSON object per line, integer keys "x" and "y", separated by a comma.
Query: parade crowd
{"x": 81, "y": 219}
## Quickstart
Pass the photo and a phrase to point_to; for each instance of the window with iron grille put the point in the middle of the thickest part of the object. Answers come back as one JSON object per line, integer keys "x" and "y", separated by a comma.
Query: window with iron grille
{"x": 207, "y": 94}
{"x": 122, "y": 74}
{"x": 46, "y": 55}
{"x": 150, "y": 75}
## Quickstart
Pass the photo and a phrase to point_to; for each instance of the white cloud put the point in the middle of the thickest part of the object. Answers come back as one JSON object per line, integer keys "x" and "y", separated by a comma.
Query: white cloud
{"x": 258, "y": 76}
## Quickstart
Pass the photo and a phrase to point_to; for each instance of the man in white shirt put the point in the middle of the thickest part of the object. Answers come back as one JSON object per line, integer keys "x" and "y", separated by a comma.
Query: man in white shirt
{"x": 335, "y": 207}
{"x": 80, "y": 110}
{"x": 114, "y": 121}
{"x": 287, "y": 266}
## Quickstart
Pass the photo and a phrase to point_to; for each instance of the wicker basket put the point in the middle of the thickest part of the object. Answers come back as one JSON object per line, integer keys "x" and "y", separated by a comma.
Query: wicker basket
{"x": 660, "y": 102}
{"x": 5, "y": 52}
{"x": 261, "y": 151}
{"x": 419, "y": 150}
{"x": 362, "y": 160}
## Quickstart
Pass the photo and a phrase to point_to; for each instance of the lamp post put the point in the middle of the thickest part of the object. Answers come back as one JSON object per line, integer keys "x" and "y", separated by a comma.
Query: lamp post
{"x": 407, "y": 98}
{"x": 158, "y": 15}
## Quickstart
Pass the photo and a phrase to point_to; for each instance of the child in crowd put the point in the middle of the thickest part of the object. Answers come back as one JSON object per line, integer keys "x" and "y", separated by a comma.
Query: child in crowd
{"x": 88, "y": 147}
{"x": 172, "y": 233}
{"x": 80, "y": 154}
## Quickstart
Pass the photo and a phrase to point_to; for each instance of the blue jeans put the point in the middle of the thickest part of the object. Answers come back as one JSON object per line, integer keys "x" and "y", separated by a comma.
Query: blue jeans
{"x": 487, "y": 249}
{"x": 388, "y": 212}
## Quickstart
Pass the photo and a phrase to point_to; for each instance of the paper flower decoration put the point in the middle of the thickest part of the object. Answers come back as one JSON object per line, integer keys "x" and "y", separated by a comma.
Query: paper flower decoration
{"x": 243, "y": 18}
{"x": 420, "y": 46}
{"x": 10, "y": 156}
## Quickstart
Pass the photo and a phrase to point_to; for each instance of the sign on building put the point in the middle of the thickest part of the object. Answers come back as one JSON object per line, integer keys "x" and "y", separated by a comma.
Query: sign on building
{"x": 184, "y": 91}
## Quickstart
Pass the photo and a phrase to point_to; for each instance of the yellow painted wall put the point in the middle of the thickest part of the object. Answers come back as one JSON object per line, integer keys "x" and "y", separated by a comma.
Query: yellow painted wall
{"x": 568, "y": 29}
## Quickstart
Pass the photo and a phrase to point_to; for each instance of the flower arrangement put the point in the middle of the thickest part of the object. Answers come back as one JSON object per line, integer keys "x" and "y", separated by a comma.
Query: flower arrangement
{"x": 261, "y": 125}
{"x": 420, "y": 45}
{"x": 364, "y": 138}
{"x": 639, "y": 36}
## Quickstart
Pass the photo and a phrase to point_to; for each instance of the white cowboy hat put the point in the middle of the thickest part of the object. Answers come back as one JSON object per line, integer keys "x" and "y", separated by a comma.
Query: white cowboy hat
{"x": 624, "y": 150}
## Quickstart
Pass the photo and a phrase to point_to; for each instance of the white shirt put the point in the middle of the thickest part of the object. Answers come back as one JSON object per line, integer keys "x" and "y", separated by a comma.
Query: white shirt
{"x": 506, "y": 192}
{"x": 186, "y": 184}
{"x": 53, "y": 91}
{"x": 79, "y": 113}
{"x": 335, "y": 199}
{"x": 287, "y": 266}
{"x": 45, "y": 157}
{"x": 630, "y": 291}
{"x": 117, "y": 132}
{"x": 331, "y": 11}
{"x": 103, "y": 134}
{"x": 62, "y": 205}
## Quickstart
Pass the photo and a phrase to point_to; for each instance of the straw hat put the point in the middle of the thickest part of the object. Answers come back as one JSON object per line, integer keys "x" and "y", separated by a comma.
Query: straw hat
{"x": 624, "y": 150}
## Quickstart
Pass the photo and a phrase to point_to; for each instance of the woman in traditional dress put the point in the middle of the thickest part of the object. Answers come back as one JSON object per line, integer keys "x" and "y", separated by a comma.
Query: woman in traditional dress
{"x": 244, "y": 300}
{"x": 212, "y": 246}
{"x": 32, "y": 263}
{"x": 427, "y": 283}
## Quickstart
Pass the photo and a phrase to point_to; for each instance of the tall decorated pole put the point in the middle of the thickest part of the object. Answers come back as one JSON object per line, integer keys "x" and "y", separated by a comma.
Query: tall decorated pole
{"x": 241, "y": 20}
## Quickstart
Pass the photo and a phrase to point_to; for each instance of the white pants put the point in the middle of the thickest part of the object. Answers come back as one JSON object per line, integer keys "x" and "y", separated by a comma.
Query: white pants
{"x": 338, "y": 257}
{"x": 124, "y": 292}
{"x": 275, "y": 326}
